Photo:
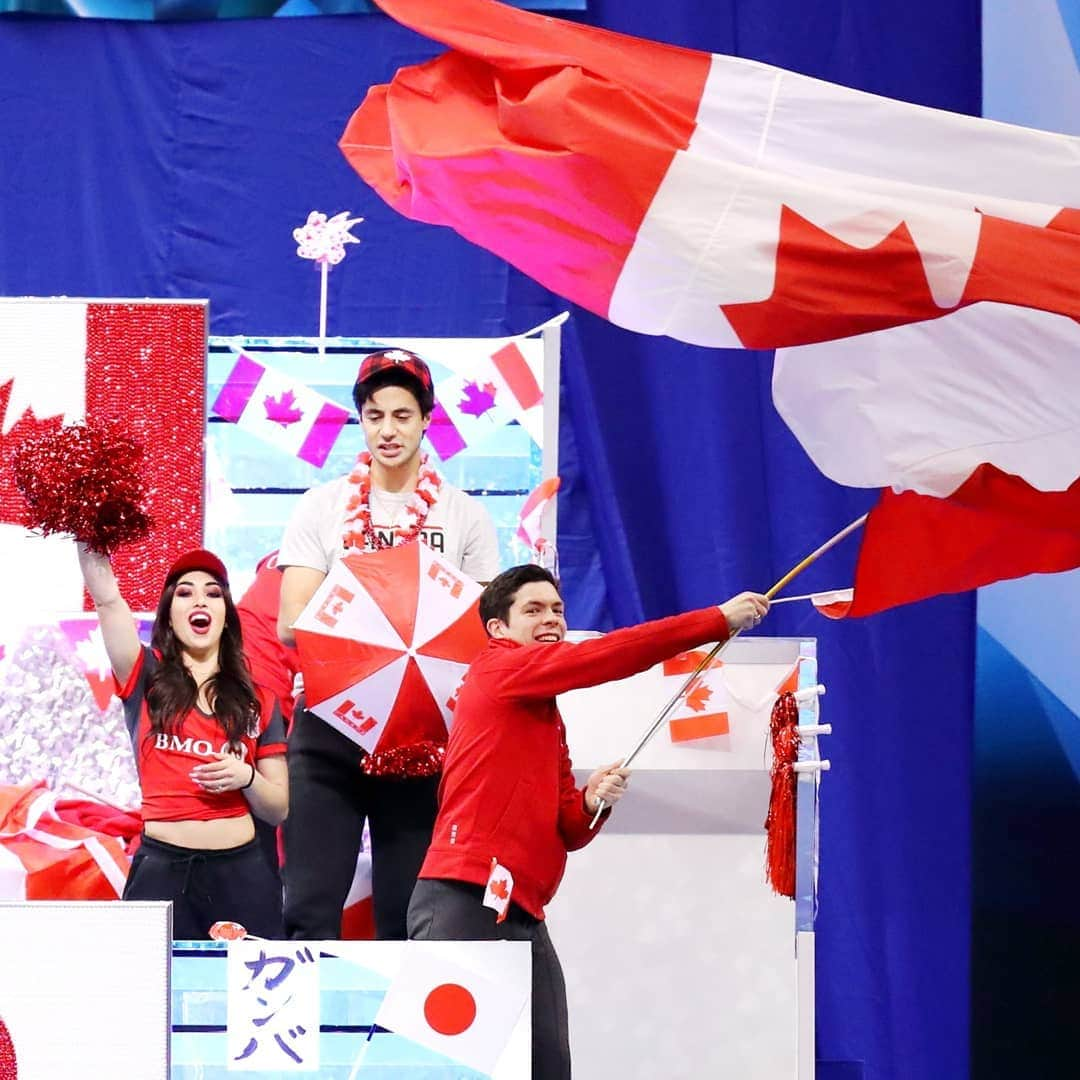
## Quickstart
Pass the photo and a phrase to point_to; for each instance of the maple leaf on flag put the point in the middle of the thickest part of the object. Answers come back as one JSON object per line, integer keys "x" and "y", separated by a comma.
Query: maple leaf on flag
{"x": 91, "y": 654}
{"x": 283, "y": 409}
{"x": 478, "y": 399}
{"x": 499, "y": 889}
{"x": 698, "y": 697}
{"x": 12, "y": 504}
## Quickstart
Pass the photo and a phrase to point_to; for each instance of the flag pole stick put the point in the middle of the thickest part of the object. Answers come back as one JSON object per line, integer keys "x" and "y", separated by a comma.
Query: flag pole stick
{"x": 803, "y": 596}
{"x": 720, "y": 646}
{"x": 322, "y": 310}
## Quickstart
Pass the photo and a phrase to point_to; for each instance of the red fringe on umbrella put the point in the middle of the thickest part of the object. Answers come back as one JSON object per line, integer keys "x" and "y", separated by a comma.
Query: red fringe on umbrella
{"x": 84, "y": 480}
{"x": 406, "y": 762}
{"x": 780, "y": 823}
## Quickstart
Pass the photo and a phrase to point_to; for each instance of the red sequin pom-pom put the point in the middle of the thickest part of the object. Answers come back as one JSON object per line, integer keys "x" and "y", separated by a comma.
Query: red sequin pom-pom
{"x": 84, "y": 480}
{"x": 406, "y": 762}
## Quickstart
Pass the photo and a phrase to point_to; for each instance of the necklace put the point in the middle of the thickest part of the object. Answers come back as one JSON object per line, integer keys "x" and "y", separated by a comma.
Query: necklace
{"x": 359, "y": 531}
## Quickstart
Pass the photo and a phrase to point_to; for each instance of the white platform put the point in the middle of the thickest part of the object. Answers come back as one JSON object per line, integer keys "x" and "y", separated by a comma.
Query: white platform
{"x": 679, "y": 958}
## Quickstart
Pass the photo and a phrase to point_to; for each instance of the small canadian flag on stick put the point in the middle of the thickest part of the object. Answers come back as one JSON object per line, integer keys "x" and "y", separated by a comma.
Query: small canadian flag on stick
{"x": 500, "y": 885}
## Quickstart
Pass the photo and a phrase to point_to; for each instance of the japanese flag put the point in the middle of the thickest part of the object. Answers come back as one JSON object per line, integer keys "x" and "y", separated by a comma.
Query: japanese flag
{"x": 450, "y": 1008}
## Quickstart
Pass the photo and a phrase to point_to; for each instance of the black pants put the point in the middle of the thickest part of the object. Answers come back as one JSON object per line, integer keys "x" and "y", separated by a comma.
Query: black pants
{"x": 453, "y": 911}
{"x": 329, "y": 797}
{"x": 208, "y": 886}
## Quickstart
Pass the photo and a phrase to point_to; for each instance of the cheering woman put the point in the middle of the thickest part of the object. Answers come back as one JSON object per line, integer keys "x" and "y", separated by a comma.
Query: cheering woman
{"x": 209, "y": 746}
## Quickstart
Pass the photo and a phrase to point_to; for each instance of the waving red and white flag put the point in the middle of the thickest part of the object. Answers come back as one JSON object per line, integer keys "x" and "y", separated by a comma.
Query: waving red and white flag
{"x": 834, "y": 604}
{"x": 43, "y": 857}
{"x": 531, "y": 518}
{"x": 726, "y": 202}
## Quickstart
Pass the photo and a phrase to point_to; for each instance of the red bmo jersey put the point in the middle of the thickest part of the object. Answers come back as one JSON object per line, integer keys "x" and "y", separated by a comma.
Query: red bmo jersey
{"x": 164, "y": 761}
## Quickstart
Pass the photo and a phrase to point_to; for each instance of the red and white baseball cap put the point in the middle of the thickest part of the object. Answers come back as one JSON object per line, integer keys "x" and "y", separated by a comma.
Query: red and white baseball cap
{"x": 400, "y": 359}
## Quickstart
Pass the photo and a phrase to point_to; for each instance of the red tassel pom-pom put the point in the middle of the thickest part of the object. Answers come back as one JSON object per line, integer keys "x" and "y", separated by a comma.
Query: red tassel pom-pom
{"x": 406, "y": 762}
{"x": 84, "y": 480}
{"x": 780, "y": 823}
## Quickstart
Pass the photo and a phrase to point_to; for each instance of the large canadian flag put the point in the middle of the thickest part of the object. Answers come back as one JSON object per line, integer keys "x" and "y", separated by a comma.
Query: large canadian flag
{"x": 918, "y": 268}
{"x": 142, "y": 363}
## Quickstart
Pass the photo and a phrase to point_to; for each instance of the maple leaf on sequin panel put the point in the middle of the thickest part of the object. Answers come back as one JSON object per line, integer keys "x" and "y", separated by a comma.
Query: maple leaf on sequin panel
{"x": 12, "y": 504}
{"x": 283, "y": 409}
{"x": 698, "y": 697}
{"x": 478, "y": 399}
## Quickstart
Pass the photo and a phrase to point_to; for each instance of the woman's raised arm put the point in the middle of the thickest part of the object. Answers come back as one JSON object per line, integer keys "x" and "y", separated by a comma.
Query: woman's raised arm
{"x": 117, "y": 623}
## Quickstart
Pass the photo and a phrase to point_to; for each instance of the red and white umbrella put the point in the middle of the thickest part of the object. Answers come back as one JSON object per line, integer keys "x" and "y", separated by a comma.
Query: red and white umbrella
{"x": 384, "y": 644}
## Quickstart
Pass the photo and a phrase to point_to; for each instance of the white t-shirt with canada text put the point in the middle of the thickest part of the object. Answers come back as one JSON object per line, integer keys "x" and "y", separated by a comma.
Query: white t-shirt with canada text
{"x": 457, "y": 527}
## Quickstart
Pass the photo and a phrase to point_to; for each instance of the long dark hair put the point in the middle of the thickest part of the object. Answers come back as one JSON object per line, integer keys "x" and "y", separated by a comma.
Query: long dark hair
{"x": 173, "y": 692}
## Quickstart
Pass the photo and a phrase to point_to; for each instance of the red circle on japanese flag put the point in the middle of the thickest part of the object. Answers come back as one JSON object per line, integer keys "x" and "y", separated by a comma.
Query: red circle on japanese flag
{"x": 449, "y": 1009}
{"x": 9, "y": 1068}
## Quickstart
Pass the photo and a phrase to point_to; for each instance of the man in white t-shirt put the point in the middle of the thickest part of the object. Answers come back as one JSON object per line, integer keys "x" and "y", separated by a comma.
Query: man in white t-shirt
{"x": 392, "y": 496}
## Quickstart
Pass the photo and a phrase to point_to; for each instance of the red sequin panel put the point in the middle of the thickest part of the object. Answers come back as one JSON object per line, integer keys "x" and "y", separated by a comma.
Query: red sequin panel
{"x": 9, "y": 1067}
{"x": 146, "y": 366}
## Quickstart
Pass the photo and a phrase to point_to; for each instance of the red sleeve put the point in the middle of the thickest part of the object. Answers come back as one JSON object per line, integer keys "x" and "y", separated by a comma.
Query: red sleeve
{"x": 574, "y": 817}
{"x": 125, "y": 690}
{"x": 542, "y": 671}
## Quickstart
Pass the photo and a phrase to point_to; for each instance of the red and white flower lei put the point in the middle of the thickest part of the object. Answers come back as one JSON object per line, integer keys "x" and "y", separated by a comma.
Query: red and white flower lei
{"x": 359, "y": 531}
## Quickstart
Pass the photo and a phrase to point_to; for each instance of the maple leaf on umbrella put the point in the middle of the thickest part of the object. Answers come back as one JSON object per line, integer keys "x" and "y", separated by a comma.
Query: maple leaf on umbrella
{"x": 478, "y": 399}
{"x": 499, "y": 889}
{"x": 12, "y": 505}
{"x": 698, "y": 697}
{"x": 283, "y": 409}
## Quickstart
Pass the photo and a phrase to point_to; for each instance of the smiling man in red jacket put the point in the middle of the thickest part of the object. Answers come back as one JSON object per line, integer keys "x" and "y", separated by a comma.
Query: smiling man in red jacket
{"x": 508, "y": 807}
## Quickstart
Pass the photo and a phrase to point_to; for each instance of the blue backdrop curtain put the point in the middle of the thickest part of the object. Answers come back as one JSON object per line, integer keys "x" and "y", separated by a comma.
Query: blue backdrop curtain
{"x": 175, "y": 160}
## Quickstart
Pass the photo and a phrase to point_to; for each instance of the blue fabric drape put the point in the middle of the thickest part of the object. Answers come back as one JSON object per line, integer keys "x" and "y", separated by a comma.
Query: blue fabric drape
{"x": 175, "y": 160}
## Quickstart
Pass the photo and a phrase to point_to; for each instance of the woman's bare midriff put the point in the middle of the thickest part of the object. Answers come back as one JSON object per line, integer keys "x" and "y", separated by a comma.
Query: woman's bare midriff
{"x": 213, "y": 835}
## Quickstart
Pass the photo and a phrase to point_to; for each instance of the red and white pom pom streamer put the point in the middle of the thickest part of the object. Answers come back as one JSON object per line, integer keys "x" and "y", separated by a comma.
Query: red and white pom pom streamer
{"x": 780, "y": 822}
{"x": 85, "y": 480}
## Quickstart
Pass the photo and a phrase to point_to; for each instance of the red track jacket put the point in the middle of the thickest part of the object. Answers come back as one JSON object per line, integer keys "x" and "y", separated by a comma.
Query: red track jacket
{"x": 507, "y": 791}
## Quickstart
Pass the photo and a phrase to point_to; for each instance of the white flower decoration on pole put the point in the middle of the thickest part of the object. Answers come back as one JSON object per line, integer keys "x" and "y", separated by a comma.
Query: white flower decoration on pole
{"x": 323, "y": 240}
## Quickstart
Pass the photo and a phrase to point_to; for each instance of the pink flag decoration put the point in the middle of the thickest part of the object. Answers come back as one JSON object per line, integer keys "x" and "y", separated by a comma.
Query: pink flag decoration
{"x": 530, "y": 520}
{"x": 280, "y": 410}
{"x": 487, "y": 393}
{"x": 916, "y": 267}
{"x": 83, "y": 635}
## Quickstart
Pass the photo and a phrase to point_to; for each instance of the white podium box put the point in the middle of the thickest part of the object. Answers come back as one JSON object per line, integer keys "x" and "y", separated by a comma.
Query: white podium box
{"x": 680, "y": 960}
{"x": 84, "y": 990}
